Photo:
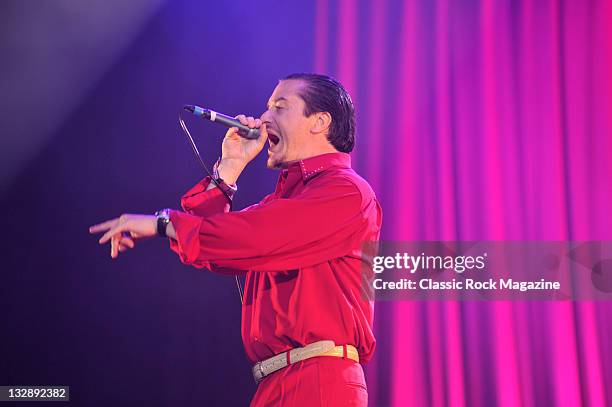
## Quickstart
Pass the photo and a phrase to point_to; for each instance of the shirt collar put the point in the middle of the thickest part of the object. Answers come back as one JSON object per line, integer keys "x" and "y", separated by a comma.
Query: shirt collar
{"x": 309, "y": 167}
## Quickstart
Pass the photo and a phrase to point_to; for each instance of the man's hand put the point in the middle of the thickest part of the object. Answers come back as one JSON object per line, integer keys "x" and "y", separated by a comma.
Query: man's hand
{"x": 238, "y": 151}
{"x": 125, "y": 230}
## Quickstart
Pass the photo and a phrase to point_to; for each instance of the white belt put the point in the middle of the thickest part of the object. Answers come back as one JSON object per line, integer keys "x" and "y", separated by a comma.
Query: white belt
{"x": 320, "y": 348}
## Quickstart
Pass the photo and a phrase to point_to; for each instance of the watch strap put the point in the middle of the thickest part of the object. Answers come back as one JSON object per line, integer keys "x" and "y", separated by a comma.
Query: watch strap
{"x": 163, "y": 219}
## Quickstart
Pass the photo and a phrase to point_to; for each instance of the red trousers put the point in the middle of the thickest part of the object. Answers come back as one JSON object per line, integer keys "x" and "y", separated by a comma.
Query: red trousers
{"x": 316, "y": 382}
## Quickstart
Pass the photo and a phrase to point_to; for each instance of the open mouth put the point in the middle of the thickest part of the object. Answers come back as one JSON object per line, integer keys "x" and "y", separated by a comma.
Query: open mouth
{"x": 273, "y": 139}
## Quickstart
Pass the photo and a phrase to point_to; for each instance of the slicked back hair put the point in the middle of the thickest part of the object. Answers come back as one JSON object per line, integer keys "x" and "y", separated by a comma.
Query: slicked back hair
{"x": 324, "y": 94}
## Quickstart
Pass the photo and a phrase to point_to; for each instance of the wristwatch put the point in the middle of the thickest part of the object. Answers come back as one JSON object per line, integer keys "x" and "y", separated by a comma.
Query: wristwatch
{"x": 163, "y": 218}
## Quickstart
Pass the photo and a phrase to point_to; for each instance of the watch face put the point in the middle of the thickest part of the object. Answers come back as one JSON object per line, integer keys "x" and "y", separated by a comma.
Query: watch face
{"x": 163, "y": 213}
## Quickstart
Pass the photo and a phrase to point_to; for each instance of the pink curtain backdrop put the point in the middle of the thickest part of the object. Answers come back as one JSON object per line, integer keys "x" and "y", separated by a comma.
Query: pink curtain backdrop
{"x": 483, "y": 120}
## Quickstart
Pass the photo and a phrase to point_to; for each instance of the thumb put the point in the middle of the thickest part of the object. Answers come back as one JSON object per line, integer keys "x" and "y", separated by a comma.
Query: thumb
{"x": 263, "y": 134}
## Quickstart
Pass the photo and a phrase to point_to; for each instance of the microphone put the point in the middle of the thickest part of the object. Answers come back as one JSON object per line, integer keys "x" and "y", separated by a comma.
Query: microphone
{"x": 244, "y": 131}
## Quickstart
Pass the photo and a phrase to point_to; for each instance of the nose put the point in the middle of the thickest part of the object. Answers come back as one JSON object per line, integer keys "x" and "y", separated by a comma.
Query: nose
{"x": 265, "y": 117}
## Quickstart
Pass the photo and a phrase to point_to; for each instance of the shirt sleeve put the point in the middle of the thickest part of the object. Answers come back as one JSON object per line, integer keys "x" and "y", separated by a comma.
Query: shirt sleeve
{"x": 324, "y": 222}
{"x": 200, "y": 202}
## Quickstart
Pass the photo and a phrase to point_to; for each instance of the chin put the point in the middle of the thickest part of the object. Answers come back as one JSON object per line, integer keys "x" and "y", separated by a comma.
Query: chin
{"x": 276, "y": 161}
{"x": 273, "y": 165}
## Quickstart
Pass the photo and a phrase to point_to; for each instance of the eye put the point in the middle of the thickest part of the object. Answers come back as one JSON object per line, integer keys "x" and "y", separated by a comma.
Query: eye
{"x": 275, "y": 107}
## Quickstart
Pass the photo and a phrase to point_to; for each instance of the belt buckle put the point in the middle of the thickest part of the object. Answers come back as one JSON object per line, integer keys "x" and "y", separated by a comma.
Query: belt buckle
{"x": 258, "y": 372}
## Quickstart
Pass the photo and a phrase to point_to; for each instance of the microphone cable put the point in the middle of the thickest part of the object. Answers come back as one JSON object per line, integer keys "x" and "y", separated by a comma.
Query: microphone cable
{"x": 197, "y": 153}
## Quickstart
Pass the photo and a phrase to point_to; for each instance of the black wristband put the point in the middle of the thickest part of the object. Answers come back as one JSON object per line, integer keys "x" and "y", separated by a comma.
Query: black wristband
{"x": 163, "y": 218}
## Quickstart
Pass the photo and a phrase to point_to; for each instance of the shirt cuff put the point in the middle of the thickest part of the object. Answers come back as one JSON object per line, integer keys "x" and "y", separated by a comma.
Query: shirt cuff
{"x": 187, "y": 242}
{"x": 201, "y": 202}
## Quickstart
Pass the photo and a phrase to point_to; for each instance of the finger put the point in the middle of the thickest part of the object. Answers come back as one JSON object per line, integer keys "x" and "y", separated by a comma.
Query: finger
{"x": 263, "y": 132}
{"x": 257, "y": 122}
{"x": 116, "y": 245}
{"x": 251, "y": 122}
{"x": 127, "y": 241}
{"x": 242, "y": 119}
{"x": 263, "y": 135}
{"x": 113, "y": 247}
{"x": 116, "y": 230}
{"x": 100, "y": 227}
{"x": 232, "y": 132}
{"x": 123, "y": 247}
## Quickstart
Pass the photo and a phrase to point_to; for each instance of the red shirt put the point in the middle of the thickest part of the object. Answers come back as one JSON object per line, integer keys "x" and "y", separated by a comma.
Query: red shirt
{"x": 300, "y": 250}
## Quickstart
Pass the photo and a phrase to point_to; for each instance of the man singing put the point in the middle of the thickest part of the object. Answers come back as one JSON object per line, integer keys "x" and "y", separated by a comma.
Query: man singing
{"x": 306, "y": 323}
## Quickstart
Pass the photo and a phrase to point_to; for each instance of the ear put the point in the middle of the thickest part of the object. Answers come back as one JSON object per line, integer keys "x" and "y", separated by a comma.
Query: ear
{"x": 322, "y": 121}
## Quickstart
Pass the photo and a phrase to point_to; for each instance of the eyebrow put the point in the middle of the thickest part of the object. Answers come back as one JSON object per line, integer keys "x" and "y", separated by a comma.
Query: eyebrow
{"x": 275, "y": 101}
